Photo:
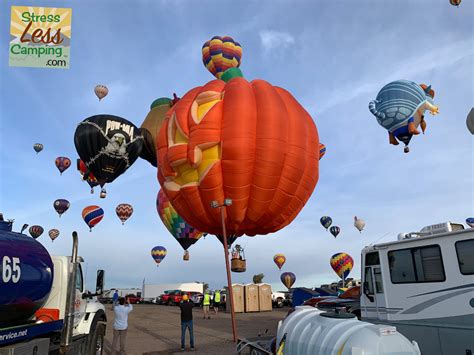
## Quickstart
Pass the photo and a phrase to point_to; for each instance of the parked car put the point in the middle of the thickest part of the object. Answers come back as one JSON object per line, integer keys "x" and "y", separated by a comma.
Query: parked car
{"x": 278, "y": 299}
{"x": 350, "y": 300}
{"x": 133, "y": 299}
{"x": 196, "y": 298}
{"x": 165, "y": 297}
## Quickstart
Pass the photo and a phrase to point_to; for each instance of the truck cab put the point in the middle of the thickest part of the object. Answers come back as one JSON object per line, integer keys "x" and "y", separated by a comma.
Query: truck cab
{"x": 423, "y": 283}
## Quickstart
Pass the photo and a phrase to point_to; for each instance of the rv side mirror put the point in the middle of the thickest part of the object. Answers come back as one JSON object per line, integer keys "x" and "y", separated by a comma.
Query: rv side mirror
{"x": 99, "y": 286}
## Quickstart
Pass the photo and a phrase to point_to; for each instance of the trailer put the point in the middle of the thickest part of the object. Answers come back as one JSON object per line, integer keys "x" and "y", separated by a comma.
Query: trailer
{"x": 44, "y": 306}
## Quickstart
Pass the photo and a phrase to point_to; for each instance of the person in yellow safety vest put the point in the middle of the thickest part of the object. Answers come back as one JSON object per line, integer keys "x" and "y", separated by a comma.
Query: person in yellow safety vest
{"x": 206, "y": 303}
{"x": 217, "y": 300}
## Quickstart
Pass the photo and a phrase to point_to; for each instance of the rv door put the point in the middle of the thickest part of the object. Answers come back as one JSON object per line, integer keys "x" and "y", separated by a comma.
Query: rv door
{"x": 373, "y": 290}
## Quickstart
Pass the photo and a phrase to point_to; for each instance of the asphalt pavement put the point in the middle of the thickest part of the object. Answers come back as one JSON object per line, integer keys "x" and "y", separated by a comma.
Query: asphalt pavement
{"x": 156, "y": 330}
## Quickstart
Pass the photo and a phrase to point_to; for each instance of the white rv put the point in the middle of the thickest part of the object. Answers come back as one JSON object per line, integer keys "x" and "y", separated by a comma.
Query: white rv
{"x": 423, "y": 283}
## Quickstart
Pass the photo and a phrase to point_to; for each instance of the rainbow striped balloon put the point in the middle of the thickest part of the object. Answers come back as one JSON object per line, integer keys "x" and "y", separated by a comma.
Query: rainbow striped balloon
{"x": 322, "y": 150}
{"x": 220, "y": 54}
{"x": 158, "y": 253}
{"x": 185, "y": 234}
{"x": 342, "y": 264}
{"x": 92, "y": 215}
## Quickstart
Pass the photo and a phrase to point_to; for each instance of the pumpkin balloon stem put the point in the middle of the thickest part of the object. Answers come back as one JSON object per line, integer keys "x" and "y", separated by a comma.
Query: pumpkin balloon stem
{"x": 175, "y": 99}
{"x": 231, "y": 73}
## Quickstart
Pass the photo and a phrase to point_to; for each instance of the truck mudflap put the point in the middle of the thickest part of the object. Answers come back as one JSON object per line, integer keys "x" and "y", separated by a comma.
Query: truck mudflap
{"x": 29, "y": 331}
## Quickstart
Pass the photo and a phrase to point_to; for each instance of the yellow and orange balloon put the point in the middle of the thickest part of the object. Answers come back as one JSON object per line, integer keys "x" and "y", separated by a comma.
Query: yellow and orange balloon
{"x": 279, "y": 260}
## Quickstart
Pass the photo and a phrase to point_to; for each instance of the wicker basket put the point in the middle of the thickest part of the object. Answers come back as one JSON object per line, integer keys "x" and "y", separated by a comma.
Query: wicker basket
{"x": 238, "y": 265}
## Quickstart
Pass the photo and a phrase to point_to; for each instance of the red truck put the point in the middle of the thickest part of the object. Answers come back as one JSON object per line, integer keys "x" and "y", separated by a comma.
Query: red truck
{"x": 177, "y": 296}
{"x": 133, "y": 299}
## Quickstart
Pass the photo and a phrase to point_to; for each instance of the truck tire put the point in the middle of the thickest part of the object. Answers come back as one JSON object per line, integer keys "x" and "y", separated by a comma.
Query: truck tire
{"x": 279, "y": 303}
{"x": 96, "y": 340}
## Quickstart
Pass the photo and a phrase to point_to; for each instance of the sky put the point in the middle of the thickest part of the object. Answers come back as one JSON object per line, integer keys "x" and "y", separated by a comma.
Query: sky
{"x": 333, "y": 56}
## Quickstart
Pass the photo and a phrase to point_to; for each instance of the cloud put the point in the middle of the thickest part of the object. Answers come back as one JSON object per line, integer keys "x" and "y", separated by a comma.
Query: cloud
{"x": 272, "y": 40}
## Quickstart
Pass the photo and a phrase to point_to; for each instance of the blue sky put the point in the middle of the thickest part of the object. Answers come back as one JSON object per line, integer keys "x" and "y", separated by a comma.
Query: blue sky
{"x": 333, "y": 56}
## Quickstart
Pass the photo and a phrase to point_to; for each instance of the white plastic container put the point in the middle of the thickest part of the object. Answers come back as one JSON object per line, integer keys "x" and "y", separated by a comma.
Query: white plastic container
{"x": 309, "y": 333}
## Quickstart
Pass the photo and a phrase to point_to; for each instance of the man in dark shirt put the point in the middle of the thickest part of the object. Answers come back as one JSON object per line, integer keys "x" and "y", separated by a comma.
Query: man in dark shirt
{"x": 186, "y": 321}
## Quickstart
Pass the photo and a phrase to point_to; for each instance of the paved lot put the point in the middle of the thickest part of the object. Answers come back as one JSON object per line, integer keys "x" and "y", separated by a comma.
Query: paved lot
{"x": 156, "y": 330}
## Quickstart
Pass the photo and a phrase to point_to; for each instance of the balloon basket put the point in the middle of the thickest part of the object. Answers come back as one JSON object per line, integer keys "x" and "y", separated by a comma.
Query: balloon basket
{"x": 186, "y": 257}
{"x": 238, "y": 265}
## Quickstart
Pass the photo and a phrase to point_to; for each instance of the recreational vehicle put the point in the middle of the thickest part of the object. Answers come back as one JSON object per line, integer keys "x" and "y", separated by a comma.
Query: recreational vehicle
{"x": 423, "y": 284}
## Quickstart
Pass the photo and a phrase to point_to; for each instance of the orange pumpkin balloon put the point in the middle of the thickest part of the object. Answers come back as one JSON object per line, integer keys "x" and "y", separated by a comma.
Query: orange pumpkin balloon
{"x": 247, "y": 141}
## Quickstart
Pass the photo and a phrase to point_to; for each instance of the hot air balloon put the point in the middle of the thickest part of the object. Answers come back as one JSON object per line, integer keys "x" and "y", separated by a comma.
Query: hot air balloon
{"x": 470, "y": 222}
{"x": 38, "y": 147}
{"x": 92, "y": 215}
{"x": 322, "y": 150}
{"x": 254, "y": 145}
{"x": 36, "y": 231}
{"x": 185, "y": 234}
{"x": 87, "y": 175}
{"x": 279, "y": 260}
{"x": 455, "y": 2}
{"x": 151, "y": 126}
{"x": 61, "y": 206}
{"x": 288, "y": 279}
{"x": 399, "y": 108}
{"x": 108, "y": 145}
{"x": 470, "y": 121}
{"x": 342, "y": 264}
{"x": 326, "y": 221}
{"x": 359, "y": 223}
{"x": 62, "y": 163}
{"x": 53, "y": 234}
{"x": 335, "y": 230}
{"x": 124, "y": 211}
{"x": 158, "y": 253}
{"x": 101, "y": 91}
{"x": 220, "y": 54}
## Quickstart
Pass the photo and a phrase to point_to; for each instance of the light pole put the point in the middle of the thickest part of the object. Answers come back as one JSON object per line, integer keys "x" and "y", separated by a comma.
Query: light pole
{"x": 215, "y": 204}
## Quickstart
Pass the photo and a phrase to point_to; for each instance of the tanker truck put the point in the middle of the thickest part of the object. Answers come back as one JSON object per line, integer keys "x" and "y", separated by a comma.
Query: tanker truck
{"x": 44, "y": 306}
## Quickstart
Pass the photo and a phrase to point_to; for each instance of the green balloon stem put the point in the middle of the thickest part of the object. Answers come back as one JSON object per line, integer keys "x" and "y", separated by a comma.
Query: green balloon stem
{"x": 232, "y": 73}
{"x": 160, "y": 102}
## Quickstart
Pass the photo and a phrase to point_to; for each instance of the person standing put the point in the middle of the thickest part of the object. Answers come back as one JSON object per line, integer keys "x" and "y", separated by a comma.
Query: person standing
{"x": 115, "y": 298}
{"x": 186, "y": 321}
{"x": 206, "y": 303}
{"x": 217, "y": 300}
{"x": 121, "y": 324}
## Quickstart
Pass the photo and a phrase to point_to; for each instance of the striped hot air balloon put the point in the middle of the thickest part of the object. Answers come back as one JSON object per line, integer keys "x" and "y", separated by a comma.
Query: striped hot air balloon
{"x": 322, "y": 150}
{"x": 220, "y": 54}
{"x": 92, "y": 215}
{"x": 342, "y": 264}
{"x": 53, "y": 234}
{"x": 36, "y": 231}
{"x": 124, "y": 211}
{"x": 335, "y": 230}
{"x": 158, "y": 253}
{"x": 288, "y": 279}
{"x": 279, "y": 260}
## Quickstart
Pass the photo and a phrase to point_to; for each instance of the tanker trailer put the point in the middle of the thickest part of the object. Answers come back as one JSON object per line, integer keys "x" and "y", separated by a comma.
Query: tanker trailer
{"x": 308, "y": 331}
{"x": 44, "y": 306}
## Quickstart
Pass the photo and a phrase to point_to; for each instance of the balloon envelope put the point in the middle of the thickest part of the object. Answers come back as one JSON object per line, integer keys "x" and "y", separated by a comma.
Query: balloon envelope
{"x": 108, "y": 145}
{"x": 36, "y": 231}
{"x": 335, "y": 230}
{"x": 326, "y": 221}
{"x": 342, "y": 264}
{"x": 53, "y": 234}
{"x": 470, "y": 121}
{"x": 124, "y": 211}
{"x": 288, "y": 279}
{"x": 185, "y": 234}
{"x": 279, "y": 260}
{"x": 38, "y": 147}
{"x": 61, "y": 205}
{"x": 220, "y": 54}
{"x": 158, "y": 253}
{"x": 101, "y": 91}
{"x": 92, "y": 215}
{"x": 359, "y": 223}
{"x": 62, "y": 163}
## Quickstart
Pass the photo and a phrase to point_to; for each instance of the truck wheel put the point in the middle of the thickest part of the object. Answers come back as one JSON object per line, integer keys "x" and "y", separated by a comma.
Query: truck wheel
{"x": 279, "y": 303}
{"x": 96, "y": 344}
